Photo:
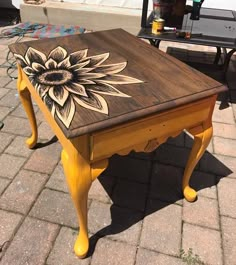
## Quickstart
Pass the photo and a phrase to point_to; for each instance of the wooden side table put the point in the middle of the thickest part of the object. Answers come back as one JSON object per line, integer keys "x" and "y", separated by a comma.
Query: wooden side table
{"x": 109, "y": 92}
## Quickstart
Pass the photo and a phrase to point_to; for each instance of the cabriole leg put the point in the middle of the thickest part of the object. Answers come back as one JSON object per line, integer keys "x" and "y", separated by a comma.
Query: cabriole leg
{"x": 201, "y": 141}
{"x": 25, "y": 98}
{"x": 78, "y": 175}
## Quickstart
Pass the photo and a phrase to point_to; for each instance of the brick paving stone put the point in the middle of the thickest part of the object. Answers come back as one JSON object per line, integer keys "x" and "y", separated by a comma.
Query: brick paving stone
{"x": 3, "y": 91}
{"x": 126, "y": 225}
{"x": 115, "y": 222}
{"x": 4, "y": 111}
{"x": 229, "y": 240}
{"x": 22, "y": 192}
{"x": 230, "y": 163}
{"x": 225, "y": 130}
{"x": 18, "y": 147}
{"x": 223, "y": 115}
{"x": 62, "y": 252}
{"x": 40, "y": 117}
{"x": 218, "y": 164}
{"x": 12, "y": 84}
{"x": 5, "y": 140}
{"x": 204, "y": 242}
{"x": 44, "y": 159}
{"x": 4, "y": 80}
{"x": 45, "y": 132}
{"x": 99, "y": 216}
{"x": 166, "y": 183}
{"x": 129, "y": 168}
{"x": 56, "y": 207}
{"x": 148, "y": 257}
{"x": 11, "y": 99}
{"x": 17, "y": 126}
{"x": 19, "y": 112}
{"x": 224, "y": 146}
{"x": 172, "y": 155}
{"x": 130, "y": 195}
{"x": 10, "y": 165}
{"x": 227, "y": 197}
{"x": 101, "y": 189}
{"x": 204, "y": 184}
{"x": 8, "y": 226}
{"x": 3, "y": 184}
{"x": 113, "y": 253}
{"x": 31, "y": 244}
{"x": 203, "y": 212}
{"x": 57, "y": 181}
{"x": 162, "y": 228}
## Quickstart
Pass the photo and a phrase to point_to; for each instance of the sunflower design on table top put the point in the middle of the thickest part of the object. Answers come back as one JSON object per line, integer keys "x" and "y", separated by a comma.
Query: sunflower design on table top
{"x": 63, "y": 80}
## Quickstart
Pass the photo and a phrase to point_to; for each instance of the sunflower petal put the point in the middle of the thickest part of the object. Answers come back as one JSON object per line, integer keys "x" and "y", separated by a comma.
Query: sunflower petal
{"x": 91, "y": 75}
{"x": 49, "y": 103}
{"x": 84, "y": 70}
{"x": 86, "y": 82}
{"x": 75, "y": 57}
{"x": 76, "y": 88}
{"x": 65, "y": 63}
{"x": 33, "y": 55}
{"x": 51, "y": 64}
{"x": 110, "y": 68}
{"x": 58, "y": 94}
{"x": 21, "y": 60}
{"x": 119, "y": 79}
{"x": 92, "y": 102}
{"x": 38, "y": 67}
{"x": 28, "y": 70}
{"x": 78, "y": 66}
{"x": 66, "y": 113}
{"x": 96, "y": 59}
{"x": 106, "y": 89}
{"x": 42, "y": 89}
{"x": 58, "y": 54}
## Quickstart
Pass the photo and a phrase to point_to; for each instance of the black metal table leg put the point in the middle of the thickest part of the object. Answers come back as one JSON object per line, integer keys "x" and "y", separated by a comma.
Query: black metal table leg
{"x": 227, "y": 60}
{"x": 218, "y": 55}
{"x": 155, "y": 43}
{"x": 225, "y": 101}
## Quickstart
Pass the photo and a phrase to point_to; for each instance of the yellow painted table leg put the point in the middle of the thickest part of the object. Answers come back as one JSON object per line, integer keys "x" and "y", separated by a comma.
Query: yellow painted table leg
{"x": 25, "y": 98}
{"x": 78, "y": 175}
{"x": 201, "y": 141}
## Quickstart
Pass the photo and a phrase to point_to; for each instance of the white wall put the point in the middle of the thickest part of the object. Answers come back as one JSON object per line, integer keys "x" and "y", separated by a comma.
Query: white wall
{"x": 137, "y": 4}
{"x": 226, "y": 4}
{"x": 134, "y": 4}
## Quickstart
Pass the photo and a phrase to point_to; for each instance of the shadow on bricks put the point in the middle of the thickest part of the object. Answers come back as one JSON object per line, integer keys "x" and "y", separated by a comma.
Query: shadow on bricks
{"x": 143, "y": 184}
{"x": 43, "y": 144}
{"x": 204, "y": 62}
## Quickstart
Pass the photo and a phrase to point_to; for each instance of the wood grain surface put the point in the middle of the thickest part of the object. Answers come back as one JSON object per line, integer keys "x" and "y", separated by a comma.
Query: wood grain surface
{"x": 166, "y": 82}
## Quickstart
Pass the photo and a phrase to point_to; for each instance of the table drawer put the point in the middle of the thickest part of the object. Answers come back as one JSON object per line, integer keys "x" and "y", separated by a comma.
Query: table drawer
{"x": 161, "y": 125}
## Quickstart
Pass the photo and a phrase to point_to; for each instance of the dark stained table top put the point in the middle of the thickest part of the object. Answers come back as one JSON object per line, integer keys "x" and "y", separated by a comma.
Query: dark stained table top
{"x": 97, "y": 80}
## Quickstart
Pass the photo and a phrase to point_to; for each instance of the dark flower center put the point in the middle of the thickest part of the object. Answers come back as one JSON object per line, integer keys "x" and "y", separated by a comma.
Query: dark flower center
{"x": 55, "y": 77}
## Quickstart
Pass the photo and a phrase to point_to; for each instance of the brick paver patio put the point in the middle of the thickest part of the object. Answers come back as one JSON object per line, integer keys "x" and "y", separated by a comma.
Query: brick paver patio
{"x": 137, "y": 214}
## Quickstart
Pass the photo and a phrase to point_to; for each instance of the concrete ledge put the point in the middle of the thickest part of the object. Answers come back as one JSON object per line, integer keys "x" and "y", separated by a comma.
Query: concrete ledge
{"x": 89, "y": 16}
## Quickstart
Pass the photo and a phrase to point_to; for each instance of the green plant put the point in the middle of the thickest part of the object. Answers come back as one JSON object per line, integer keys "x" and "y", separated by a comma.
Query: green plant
{"x": 190, "y": 258}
